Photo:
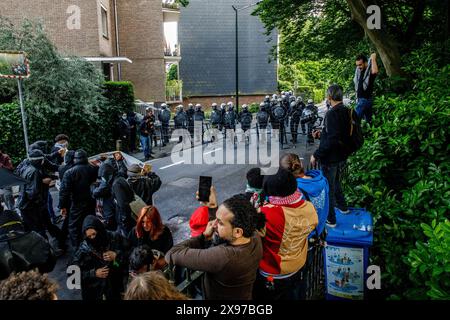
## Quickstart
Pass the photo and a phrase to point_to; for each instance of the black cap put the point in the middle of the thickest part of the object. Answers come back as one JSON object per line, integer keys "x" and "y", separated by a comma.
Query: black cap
{"x": 281, "y": 184}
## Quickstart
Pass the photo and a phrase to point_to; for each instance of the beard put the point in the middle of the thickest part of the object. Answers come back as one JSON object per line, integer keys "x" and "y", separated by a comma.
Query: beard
{"x": 217, "y": 240}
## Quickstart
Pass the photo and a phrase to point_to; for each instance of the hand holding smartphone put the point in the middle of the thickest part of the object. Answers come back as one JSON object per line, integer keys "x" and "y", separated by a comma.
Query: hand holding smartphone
{"x": 204, "y": 188}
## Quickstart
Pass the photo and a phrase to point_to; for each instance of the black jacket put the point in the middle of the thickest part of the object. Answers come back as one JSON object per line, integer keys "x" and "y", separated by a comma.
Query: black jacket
{"x": 146, "y": 186}
{"x": 76, "y": 186}
{"x": 20, "y": 250}
{"x": 334, "y": 133}
{"x": 89, "y": 258}
{"x": 164, "y": 243}
{"x": 33, "y": 194}
{"x": 180, "y": 120}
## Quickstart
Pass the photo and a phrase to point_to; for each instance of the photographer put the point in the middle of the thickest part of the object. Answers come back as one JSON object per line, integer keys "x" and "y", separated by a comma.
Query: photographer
{"x": 331, "y": 152}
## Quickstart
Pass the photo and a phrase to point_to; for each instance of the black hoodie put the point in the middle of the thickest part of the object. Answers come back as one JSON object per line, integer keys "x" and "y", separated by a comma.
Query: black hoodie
{"x": 89, "y": 257}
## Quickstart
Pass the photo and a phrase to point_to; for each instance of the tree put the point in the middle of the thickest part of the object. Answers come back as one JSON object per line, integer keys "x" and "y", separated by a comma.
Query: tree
{"x": 333, "y": 28}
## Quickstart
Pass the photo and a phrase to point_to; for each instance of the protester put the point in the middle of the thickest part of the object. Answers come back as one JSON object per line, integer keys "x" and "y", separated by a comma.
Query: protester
{"x": 150, "y": 231}
{"x": 33, "y": 198}
{"x": 22, "y": 250}
{"x": 254, "y": 189}
{"x": 289, "y": 221}
{"x": 103, "y": 260}
{"x": 59, "y": 149}
{"x": 144, "y": 185}
{"x": 30, "y": 285}
{"x": 152, "y": 286}
{"x": 141, "y": 260}
{"x": 312, "y": 184}
{"x": 75, "y": 196}
{"x": 230, "y": 268}
{"x": 332, "y": 153}
{"x": 118, "y": 163}
{"x": 123, "y": 195}
{"x": 104, "y": 195}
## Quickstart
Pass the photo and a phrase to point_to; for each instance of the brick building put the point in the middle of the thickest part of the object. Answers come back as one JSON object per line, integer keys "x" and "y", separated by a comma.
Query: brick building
{"x": 112, "y": 34}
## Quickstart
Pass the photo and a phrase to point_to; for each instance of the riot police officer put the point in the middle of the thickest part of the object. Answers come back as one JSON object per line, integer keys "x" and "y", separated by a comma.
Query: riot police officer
{"x": 295, "y": 114}
{"x": 190, "y": 118}
{"x": 309, "y": 117}
{"x": 180, "y": 120}
{"x": 216, "y": 116}
{"x": 199, "y": 116}
{"x": 245, "y": 118}
{"x": 262, "y": 118}
{"x": 164, "y": 117}
{"x": 230, "y": 119}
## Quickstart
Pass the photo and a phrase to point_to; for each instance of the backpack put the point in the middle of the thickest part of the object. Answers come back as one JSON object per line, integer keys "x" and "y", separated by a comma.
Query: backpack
{"x": 279, "y": 113}
{"x": 262, "y": 117}
{"x": 355, "y": 139}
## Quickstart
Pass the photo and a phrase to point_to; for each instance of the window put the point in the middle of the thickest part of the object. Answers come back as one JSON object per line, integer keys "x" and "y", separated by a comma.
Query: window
{"x": 104, "y": 22}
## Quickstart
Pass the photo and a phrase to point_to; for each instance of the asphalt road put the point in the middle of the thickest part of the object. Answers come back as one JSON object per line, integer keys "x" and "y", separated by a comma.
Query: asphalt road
{"x": 176, "y": 198}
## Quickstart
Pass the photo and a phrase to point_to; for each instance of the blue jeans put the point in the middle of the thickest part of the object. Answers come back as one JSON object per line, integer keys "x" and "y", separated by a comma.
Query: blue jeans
{"x": 333, "y": 173}
{"x": 364, "y": 109}
{"x": 146, "y": 145}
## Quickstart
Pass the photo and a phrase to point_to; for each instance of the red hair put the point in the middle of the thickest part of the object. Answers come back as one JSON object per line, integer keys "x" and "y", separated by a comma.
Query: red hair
{"x": 155, "y": 219}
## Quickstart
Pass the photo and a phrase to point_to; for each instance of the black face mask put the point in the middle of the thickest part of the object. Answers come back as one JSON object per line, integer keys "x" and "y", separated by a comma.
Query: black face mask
{"x": 98, "y": 243}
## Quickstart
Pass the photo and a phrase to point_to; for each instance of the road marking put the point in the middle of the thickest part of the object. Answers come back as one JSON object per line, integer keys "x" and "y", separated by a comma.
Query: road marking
{"x": 218, "y": 149}
{"x": 171, "y": 165}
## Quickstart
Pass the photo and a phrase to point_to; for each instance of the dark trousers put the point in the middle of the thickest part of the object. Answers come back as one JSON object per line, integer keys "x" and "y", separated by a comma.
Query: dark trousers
{"x": 294, "y": 130}
{"x": 76, "y": 218}
{"x": 333, "y": 173}
{"x": 165, "y": 133}
{"x": 292, "y": 288}
{"x": 364, "y": 109}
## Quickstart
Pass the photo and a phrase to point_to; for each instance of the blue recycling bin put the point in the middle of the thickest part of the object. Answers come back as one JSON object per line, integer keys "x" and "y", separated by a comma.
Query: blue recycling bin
{"x": 346, "y": 255}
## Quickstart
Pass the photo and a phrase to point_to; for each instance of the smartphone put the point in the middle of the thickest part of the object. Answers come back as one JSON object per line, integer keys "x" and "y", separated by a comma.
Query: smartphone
{"x": 204, "y": 188}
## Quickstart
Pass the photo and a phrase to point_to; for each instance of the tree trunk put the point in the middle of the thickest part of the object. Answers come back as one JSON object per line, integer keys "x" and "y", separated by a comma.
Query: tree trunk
{"x": 385, "y": 45}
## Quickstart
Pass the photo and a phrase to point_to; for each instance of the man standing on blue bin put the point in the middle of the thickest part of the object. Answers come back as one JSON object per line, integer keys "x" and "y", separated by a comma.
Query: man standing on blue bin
{"x": 365, "y": 73}
{"x": 331, "y": 154}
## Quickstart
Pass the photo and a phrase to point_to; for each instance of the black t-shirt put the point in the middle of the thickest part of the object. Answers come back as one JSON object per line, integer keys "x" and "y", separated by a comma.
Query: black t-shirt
{"x": 367, "y": 94}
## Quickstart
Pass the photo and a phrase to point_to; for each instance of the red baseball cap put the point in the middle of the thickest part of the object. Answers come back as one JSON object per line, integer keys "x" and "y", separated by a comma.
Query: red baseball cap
{"x": 199, "y": 221}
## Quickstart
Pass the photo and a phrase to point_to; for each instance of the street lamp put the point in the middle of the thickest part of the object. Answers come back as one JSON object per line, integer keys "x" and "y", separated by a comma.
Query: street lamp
{"x": 236, "y": 10}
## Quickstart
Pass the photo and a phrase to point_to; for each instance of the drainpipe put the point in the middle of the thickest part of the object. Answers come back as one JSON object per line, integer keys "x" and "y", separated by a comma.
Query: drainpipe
{"x": 116, "y": 23}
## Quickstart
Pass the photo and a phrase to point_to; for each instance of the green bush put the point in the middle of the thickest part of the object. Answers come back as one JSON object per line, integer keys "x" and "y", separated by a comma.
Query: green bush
{"x": 430, "y": 262}
{"x": 253, "y": 108}
{"x": 11, "y": 131}
{"x": 402, "y": 173}
{"x": 120, "y": 94}
{"x": 61, "y": 96}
